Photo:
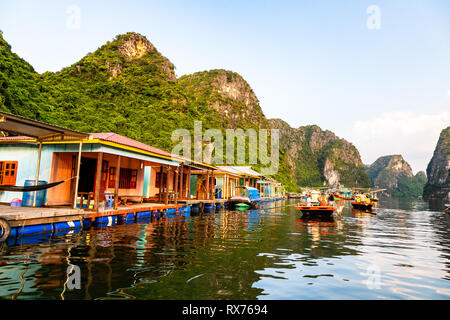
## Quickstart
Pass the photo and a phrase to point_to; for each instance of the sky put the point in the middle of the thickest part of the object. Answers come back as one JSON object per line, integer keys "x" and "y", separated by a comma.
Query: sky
{"x": 375, "y": 72}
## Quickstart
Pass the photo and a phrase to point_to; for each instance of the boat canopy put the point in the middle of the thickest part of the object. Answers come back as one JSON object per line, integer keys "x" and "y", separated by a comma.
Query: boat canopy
{"x": 253, "y": 193}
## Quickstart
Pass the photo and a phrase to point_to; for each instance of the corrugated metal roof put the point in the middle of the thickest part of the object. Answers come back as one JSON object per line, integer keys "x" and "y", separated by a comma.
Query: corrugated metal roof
{"x": 42, "y": 131}
{"x": 245, "y": 170}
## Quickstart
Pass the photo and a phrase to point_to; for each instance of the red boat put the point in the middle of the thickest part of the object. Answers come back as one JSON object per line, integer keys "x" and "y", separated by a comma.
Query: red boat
{"x": 316, "y": 210}
{"x": 362, "y": 205}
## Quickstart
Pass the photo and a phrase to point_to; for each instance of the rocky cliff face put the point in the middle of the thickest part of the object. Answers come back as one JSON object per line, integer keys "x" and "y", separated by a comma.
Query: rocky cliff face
{"x": 227, "y": 93}
{"x": 317, "y": 157}
{"x": 438, "y": 170}
{"x": 394, "y": 174}
{"x": 128, "y": 87}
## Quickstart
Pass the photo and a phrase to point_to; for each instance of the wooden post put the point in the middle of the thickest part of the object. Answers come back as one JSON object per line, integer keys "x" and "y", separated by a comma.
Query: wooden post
{"x": 176, "y": 185}
{"x": 207, "y": 184}
{"x": 98, "y": 177}
{"x": 213, "y": 186}
{"x": 37, "y": 172}
{"x": 189, "y": 183}
{"x": 116, "y": 182}
{"x": 78, "y": 179}
{"x": 166, "y": 194}
{"x": 224, "y": 191}
{"x": 160, "y": 182}
{"x": 181, "y": 181}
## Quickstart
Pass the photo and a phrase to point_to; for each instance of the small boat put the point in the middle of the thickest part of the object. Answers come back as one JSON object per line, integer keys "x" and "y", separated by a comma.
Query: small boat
{"x": 362, "y": 205}
{"x": 293, "y": 195}
{"x": 242, "y": 206}
{"x": 316, "y": 210}
{"x": 249, "y": 198}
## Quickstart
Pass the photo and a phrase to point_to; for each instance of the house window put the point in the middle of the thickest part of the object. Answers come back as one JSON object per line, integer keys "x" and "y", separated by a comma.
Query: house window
{"x": 127, "y": 178}
{"x": 8, "y": 173}
{"x": 112, "y": 177}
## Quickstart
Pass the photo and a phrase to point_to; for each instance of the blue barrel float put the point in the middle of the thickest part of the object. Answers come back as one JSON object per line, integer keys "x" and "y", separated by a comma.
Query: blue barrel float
{"x": 28, "y": 197}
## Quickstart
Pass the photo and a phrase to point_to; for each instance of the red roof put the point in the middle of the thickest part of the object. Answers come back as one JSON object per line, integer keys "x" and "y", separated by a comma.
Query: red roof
{"x": 117, "y": 138}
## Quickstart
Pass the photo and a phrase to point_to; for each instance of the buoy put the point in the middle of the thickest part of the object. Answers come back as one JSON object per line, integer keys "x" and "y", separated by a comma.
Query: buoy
{"x": 5, "y": 229}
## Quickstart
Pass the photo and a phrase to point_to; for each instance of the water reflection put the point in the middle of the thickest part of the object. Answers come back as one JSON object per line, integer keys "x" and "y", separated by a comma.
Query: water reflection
{"x": 270, "y": 253}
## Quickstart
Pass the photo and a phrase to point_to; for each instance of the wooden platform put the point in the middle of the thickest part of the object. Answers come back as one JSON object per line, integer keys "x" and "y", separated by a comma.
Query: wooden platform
{"x": 123, "y": 210}
{"x": 196, "y": 201}
{"x": 19, "y": 216}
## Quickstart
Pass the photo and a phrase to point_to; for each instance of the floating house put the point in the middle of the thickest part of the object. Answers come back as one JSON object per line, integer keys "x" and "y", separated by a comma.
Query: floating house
{"x": 95, "y": 168}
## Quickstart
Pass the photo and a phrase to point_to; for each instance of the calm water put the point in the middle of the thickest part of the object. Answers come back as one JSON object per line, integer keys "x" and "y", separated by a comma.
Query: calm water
{"x": 402, "y": 252}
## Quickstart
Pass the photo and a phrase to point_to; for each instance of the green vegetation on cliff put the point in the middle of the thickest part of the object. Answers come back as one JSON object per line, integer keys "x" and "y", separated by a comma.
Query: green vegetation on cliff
{"x": 126, "y": 86}
{"x": 394, "y": 174}
{"x": 318, "y": 157}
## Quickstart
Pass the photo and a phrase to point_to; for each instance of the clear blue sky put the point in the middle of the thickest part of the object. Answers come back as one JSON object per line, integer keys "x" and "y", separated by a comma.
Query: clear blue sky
{"x": 387, "y": 90}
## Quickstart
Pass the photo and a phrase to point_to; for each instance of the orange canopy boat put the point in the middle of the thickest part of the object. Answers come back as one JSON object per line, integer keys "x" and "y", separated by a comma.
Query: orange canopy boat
{"x": 316, "y": 210}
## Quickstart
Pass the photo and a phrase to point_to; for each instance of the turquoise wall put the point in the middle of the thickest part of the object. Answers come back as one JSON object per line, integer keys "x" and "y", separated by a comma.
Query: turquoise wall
{"x": 26, "y": 156}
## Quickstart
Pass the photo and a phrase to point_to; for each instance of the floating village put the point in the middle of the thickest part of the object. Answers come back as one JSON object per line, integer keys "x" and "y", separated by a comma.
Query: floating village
{"x": 54, "y": 179}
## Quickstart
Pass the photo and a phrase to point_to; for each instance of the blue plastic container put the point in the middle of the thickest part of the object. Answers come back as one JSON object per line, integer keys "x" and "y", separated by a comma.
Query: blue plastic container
{"x": 41, "y": 195}
{"x": 143, "y": 214}
{"x": 35, "y": 229}
{"x": 66, "y": 225}
{"x": 105, "y": 221}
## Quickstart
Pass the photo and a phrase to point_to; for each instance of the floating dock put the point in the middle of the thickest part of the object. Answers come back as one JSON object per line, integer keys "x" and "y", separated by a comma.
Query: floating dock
{"x": 24, "y": 221}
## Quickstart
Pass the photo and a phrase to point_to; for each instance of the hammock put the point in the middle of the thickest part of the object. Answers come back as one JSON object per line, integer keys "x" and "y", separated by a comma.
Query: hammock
{"x": 33, "y": 188}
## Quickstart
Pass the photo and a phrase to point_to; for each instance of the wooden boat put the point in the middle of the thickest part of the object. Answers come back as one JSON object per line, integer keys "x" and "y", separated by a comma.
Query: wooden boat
{"x": 342, "y": 197}
{"x": 249, "y": 198}
{"x": 362, "y": 205}
{"x": 316, "y": 210}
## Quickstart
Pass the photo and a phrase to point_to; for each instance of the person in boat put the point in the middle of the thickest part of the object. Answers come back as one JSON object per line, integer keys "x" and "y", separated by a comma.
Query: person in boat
{"x": 331, "y": 199}
{"x": 362, "y": 198}
{"x": 314, "y": 197}
{"x": 323, "y": 200}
